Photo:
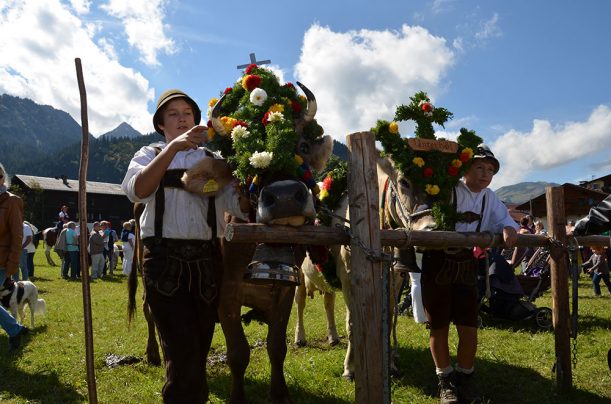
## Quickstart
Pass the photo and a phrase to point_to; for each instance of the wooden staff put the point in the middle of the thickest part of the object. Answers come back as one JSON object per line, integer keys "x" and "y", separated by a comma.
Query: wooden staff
{"x": 82, "y": 207}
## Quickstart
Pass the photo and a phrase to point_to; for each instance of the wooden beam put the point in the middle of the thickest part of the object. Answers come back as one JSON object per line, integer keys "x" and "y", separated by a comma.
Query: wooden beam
{"x": 556, "y": 220}
{"x": 322, "y": 235}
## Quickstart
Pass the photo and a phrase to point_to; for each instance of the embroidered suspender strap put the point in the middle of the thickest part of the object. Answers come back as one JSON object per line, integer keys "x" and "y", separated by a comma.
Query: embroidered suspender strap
{"x": 159, "y": 207}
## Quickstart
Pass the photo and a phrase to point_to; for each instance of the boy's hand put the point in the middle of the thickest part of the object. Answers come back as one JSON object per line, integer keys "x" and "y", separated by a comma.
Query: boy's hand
{"x": 191, "y": 139}
{"x": 510, "y": 237}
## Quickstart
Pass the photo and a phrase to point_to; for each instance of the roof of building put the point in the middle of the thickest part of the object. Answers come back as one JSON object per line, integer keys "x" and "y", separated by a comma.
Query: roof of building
{"x": 577, "y": 201}
{"x": 68, "y": 185}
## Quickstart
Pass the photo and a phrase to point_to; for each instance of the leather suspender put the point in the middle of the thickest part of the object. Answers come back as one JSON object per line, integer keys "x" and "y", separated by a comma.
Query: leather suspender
{"x": 171, "y": 179}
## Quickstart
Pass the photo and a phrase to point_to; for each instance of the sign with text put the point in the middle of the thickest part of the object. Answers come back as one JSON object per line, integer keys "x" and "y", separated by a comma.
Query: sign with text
{"x": 444, "y": 146}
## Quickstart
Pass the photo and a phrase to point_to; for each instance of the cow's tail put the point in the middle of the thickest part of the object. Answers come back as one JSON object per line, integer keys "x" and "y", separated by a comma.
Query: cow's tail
{"x": 132, "y": 280}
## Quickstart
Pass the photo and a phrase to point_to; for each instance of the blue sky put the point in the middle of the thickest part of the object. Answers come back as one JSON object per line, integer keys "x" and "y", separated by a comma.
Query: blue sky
{"x": 531, "y": 78}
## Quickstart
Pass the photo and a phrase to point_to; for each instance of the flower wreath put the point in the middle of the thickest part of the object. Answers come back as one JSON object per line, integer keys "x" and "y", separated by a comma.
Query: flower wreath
{"x": 256, "y": 125}
{"x": 435, "y": 172}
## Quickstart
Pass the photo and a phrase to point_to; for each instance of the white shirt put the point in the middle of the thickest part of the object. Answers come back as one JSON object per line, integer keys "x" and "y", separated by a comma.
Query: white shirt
{"x": 185, "y": 215}
{"x": 30, "y": 247}
{"x": 27, "y": 232}
{"x": 495, "y": 216}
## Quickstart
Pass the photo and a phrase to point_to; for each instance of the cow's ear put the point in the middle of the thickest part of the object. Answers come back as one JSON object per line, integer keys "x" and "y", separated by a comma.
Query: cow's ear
{"x": 321, "y": 151}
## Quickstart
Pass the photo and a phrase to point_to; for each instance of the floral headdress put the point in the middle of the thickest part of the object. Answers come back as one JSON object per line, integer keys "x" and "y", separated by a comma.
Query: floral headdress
{"x": 435, "y": 168}
{"x": 257, "y": 123}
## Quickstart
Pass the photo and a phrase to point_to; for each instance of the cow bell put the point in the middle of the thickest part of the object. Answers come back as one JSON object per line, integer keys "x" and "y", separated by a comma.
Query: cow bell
{"x": 273, "y": 263}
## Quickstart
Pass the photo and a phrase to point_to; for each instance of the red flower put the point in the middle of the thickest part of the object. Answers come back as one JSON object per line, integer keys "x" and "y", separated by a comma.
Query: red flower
{"x": 453, "y": 171}
{"x": 265, "y": 119}
{"x": 427, "y": 107}
{"x": 307, "y": 175}
{"x": 296, "y": 106}
{"x": 289, "y": 85}
{"x": 427, "y": 172}
{"x": 241, "y": 123}
{"x": 228, "y": 90}
{"x": 326, "y": 184}
{"x": 252, "y": 81}
{"x": 464, "y": 157}
{"x": 250, "y": 68}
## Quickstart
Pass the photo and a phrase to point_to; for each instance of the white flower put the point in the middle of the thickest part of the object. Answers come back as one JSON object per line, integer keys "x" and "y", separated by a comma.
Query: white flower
{"x": 239, "y": 132}
{"x": 258, "y": 96}
{"x": 275, "y": 117}
{"x": 261, "y": 159}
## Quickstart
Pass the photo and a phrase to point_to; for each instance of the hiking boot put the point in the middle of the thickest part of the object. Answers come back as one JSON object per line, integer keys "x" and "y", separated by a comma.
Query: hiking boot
{"x": 465, "y": 387}
{"x": 447, "y": 389}
{"x": 15, "y": 341}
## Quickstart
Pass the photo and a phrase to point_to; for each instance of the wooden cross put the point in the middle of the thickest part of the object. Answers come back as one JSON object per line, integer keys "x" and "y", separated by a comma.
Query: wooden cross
{"x": 253, "y": 60}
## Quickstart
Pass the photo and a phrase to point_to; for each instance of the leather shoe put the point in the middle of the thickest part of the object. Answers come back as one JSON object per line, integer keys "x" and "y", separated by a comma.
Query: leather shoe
{"x": 15, "y": 341}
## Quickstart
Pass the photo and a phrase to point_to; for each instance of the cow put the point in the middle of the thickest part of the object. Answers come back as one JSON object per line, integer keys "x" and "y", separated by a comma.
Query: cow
{"x": 281, "y": 198}
{"x": 400, "y": 204}
{"x": 49, "y": 237}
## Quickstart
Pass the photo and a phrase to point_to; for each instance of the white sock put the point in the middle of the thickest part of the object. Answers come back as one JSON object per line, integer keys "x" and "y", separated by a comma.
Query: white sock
{"x": 465, "y": 371}
{"x": 445, "y": 371}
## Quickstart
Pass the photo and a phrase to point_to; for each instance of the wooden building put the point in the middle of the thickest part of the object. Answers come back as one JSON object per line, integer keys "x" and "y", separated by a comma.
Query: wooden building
{"x": 44, "y": 196}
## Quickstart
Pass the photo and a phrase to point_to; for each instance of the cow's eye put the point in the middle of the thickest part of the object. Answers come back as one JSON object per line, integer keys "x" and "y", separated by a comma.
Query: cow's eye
{"x": 404, "y": 183}
{"x": 304, "y": 148}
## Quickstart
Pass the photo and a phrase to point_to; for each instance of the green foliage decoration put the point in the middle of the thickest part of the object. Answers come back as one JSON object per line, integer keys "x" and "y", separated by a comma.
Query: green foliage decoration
{"x": 259, "y": 115}
{"x": 433, "y": 172}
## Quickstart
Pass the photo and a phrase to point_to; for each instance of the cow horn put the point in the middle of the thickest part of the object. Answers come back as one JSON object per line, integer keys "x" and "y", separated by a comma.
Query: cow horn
{"x": 214, "y": 117}
{"x": 311, "y": 112}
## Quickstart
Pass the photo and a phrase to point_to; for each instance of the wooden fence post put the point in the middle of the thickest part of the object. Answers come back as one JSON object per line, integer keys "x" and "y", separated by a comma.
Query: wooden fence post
{"x": 366, "y": 280}
{"x": 556, "y": 220}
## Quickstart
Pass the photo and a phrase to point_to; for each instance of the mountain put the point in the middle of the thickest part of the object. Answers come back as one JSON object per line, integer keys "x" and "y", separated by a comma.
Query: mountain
{"x": 30, "y": 132}
{"x": 123, "y": 130}
{"x": 523, "y": 191}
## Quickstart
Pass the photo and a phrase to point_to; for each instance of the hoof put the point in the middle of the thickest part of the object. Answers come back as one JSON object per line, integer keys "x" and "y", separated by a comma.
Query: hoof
{"x": 348, "y": 377}
{"x": 333, "y": 341}
{"x": 300, "y": 344}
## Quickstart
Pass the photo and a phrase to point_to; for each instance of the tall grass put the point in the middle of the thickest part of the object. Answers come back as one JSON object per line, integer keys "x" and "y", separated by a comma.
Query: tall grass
{"x": 514, "y": 359}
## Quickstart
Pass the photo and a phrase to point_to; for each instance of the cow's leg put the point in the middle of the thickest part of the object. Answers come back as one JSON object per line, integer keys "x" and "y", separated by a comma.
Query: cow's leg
{"x": 332, "y": 336}
{"x": 152, "y": 348}
{"x": 300, "y": 300}
{"x": 48, "y": 255}
{"x": 276, "y": 346}
{"x": 343, "y": 272}
{"x": 238, "y": 351}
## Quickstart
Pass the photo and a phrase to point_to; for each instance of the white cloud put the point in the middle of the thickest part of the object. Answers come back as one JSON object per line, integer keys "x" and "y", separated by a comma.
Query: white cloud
{"x": 39, "y": 41}
{"x": 81, "y": 6}
{"x": 489, "y": 29}
{"x": 361, "y": 76}
{"x": 547, "y": 146}
{"x": 143, "y": 23}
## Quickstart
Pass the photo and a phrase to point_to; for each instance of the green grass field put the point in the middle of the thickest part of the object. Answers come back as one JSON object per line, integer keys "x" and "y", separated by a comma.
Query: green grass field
{"x": 514, "y": 359}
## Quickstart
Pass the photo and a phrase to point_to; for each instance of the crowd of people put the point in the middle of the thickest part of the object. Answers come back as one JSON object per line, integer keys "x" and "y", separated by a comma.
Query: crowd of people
{"x": 104, "y": 248}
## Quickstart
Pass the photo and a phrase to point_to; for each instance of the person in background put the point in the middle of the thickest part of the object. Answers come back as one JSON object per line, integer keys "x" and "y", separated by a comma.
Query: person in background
{"x": 110, "y": 236}
{"x": 31, "y": 249}
{"x": 128, "y": 239}
{"x": 11, "y": 248}
{"x": 96, "y": 250}
{"x": 539, "y": 228}
{"x": 23, "y": 258}
{"x": 598, "y": 269}
{"x": 71, "y": 259}
{"x": 449, "y": 280}
{"x": 63, "y": 217}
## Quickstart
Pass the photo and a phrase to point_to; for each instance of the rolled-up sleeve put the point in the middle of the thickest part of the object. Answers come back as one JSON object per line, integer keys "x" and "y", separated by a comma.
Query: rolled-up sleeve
{"x": 502, "y": 218}
{"x": 227, "y": 200}
{"x": 141, "y": 159}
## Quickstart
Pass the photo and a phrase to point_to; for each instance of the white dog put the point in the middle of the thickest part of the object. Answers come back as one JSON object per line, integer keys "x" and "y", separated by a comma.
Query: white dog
{"x": 17, "y": 295}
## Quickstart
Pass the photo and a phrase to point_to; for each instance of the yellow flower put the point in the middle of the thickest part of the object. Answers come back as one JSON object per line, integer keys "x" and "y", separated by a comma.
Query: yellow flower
{"x": 419, "y": 161}
{"x": 456, "y": 163}
{"x": 227, "y": 122}
{"x": 276, "y": 108}
{"x": 431, "y": 189}
{"x": 394, "y": 128}
{"x": 298, "y": 159}
{"x": 212, "y": 102}
{"x": 323, "y": 194}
